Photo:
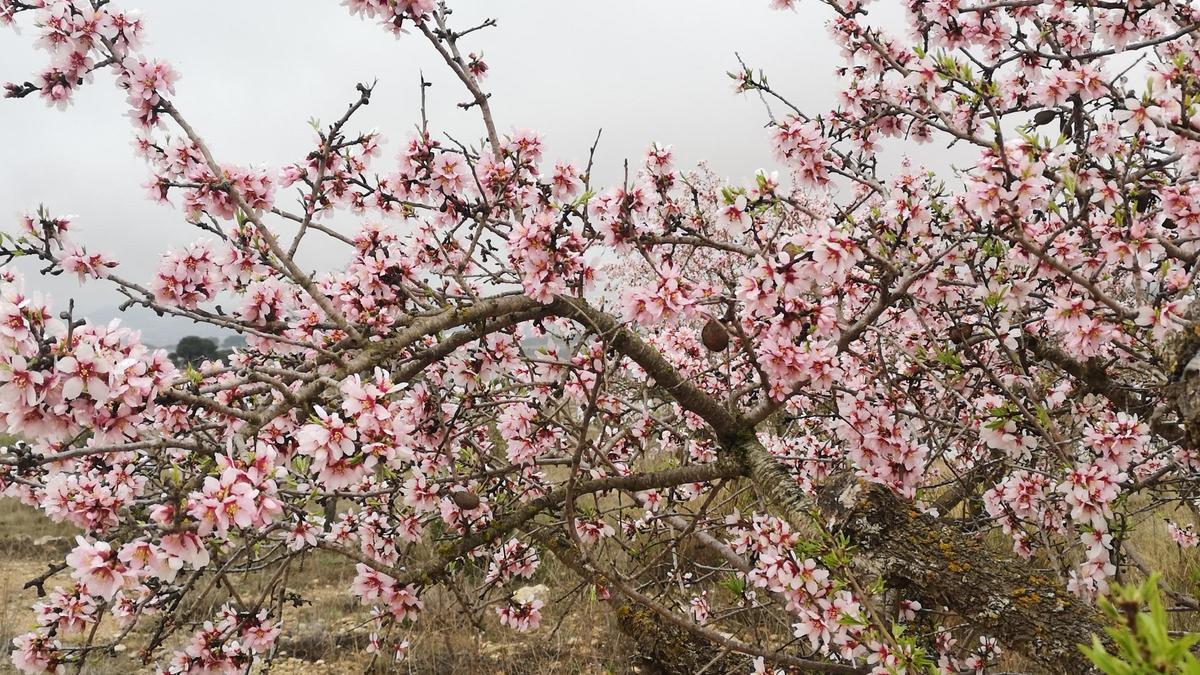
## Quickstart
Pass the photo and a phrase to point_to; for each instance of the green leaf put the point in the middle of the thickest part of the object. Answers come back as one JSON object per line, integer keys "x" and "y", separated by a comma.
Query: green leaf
{"x": 735, "y": 585}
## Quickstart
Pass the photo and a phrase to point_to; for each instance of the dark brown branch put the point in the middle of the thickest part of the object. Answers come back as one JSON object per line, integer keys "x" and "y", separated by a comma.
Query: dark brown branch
{"x": 438, "y": 568}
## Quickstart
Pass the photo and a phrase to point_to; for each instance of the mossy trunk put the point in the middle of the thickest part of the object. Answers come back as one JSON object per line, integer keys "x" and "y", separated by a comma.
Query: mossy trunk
{"x": 661, "y": 647}
{"x": 666, "y": 649}
{"x": 936, "y": 563}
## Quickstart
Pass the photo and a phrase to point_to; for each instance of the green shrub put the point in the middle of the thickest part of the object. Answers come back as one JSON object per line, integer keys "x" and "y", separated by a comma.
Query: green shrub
{"x": 1141, "y": 642}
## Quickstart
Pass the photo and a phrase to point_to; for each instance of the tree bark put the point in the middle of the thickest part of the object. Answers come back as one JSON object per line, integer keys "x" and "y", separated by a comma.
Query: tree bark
{"x": 939, "y": 565}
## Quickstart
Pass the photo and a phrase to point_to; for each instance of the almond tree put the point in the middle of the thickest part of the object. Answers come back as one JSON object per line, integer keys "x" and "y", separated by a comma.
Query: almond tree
{"x": 780, "y": 418}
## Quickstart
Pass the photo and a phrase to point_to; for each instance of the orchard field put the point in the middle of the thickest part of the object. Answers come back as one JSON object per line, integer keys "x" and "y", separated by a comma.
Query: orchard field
{"x": 919, "y": 395}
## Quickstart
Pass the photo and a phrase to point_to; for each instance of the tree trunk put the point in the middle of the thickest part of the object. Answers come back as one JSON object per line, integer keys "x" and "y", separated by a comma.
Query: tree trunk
{"x": 936, "y": 563}
{"x": 663, "y": 648}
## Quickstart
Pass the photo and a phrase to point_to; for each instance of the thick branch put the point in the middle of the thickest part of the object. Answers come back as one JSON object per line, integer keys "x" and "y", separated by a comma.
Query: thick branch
{"x": 438, "y": 568}
{"x": 939, "y": 565}
{"x": 688, "y": 395}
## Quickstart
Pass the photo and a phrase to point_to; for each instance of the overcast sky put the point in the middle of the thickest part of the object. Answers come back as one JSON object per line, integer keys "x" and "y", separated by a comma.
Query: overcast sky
{"x": 253, "y": 73}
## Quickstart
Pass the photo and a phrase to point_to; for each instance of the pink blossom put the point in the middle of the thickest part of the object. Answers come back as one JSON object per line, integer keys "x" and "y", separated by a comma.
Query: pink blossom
{"x": 97, "y": 567}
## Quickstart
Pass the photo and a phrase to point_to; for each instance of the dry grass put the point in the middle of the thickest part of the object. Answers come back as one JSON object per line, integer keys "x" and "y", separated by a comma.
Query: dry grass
{"x": 1180, "y": 568}
{"x": 328, "y": 635}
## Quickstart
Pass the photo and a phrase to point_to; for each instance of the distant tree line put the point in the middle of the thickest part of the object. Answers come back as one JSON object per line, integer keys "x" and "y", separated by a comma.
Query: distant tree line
{"x": 193, "y": 350}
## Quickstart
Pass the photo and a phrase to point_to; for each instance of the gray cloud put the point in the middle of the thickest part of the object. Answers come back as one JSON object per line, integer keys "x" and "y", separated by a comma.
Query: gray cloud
{"x": 253, "y": 73}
